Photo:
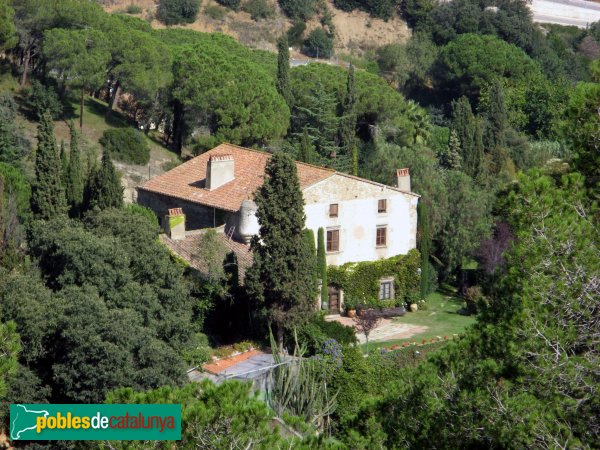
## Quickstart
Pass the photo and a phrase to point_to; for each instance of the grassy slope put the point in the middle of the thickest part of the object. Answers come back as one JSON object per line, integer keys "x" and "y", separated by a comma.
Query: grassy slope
{"x": 441, "y": 318}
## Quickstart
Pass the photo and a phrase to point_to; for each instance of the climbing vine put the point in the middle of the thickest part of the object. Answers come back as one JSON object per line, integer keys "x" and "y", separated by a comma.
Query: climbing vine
{"x": 360, "y": 281}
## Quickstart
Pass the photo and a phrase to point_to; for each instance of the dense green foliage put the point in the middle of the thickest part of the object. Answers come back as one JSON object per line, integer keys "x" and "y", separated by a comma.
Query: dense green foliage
{"x": 88, "y": 332}
{"x": 283, "y": 69}
{"x": 383, "y": 9}
{"x": 43, "y": 99}
{"x": 314, "y": 335}
{"x": 13, "y": 144}
{"x": 501, "y": 383}
{"x": 236, "y": 108}
{"x": 74, "y": 176}
{"x": 322, "y": 268}
{"x": 299, "y": 9}
{"x": 172, "y": 12}
{"x": 319, "y": 43}
{"x": 213, "y": 416}
{"x": 360, "y": 281}
{"x": 280, "y": 278}
{"x": 8, "y": 31}
{"x": 103, "y": 189}
{"x": 10, "y": 347}
{"x": 48, "y": 198}
{"x": 127, "y": 145}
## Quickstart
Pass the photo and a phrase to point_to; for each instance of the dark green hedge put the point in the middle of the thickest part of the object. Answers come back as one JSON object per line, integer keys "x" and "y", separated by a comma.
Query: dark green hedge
{"x": 360, "y": 281}
{"x": 127, "y": 145}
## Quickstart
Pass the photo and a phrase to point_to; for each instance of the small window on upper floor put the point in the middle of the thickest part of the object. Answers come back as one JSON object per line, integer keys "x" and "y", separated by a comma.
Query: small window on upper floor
{"x": 382, "y": 205}
{"x": 333, "y": 210}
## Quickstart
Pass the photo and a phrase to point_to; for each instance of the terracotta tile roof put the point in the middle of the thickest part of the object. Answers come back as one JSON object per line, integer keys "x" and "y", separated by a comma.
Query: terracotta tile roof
{"x": 187, "y": 181}
{"x": 187, "y": 249}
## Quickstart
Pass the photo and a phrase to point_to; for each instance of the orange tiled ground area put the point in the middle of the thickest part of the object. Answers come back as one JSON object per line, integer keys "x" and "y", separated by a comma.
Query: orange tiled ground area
{"x": 222, "y": 364}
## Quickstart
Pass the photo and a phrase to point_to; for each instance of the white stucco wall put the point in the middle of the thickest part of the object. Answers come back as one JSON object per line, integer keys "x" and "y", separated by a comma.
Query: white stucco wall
{"x": 358, "y": 218}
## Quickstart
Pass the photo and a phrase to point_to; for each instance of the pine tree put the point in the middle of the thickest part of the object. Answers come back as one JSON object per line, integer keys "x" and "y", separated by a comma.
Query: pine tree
{"x": 74, "y": 172}
{"x": 322, "y": 268}
{"x": 104, "y": 189}
{"x": 283, "y": 70}
{"x": 48, "y": 196}
{"x": 280, "y": 277}
{"x": 424, "y": 237}
{"x": 64, "y": 164}
{"x": 470, "y": 134}
{"x": 451, "y": 158}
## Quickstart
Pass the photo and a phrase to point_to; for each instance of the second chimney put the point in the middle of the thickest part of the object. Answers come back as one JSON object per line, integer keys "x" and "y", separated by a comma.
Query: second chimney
{"x": 403, "y": 176}
{"x": 175, "y": 224}
{"x": 220, "y": 170}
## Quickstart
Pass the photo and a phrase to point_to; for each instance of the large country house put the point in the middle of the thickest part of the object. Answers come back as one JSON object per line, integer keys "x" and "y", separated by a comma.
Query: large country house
{"x": 363, "y": 220}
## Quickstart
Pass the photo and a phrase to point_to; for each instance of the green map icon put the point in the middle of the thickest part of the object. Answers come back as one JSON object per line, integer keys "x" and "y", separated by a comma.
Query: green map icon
{"x": 23, "y": 420}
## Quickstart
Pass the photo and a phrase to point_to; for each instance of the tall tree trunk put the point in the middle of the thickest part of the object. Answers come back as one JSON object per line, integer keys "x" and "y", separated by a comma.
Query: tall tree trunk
{"x": 114, "y": 99}
{"x": 81, "y": 108}
{"x": 178, "y": 127}
{"x": 26, "y": 61}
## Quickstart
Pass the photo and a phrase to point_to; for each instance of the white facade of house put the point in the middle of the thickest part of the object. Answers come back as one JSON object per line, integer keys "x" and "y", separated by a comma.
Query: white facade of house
{"x": 358, "y": 218}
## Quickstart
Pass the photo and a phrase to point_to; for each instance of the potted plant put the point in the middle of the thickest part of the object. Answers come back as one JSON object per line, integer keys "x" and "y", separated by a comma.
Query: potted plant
{"x": 350, "y": 305}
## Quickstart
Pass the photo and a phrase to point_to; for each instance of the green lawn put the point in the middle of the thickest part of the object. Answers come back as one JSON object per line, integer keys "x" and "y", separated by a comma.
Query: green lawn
{"x": 441, "y": 318}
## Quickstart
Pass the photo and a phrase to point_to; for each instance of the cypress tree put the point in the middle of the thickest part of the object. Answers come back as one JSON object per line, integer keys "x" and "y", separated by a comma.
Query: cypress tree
{"x": 64, "y": 164}
{"x": 74, "y": 172}
{"x": 309, "y": 237}
{"x": 451, "y": 159}
{"x": 280, "y": 278}
{"x": 283, "y": 70}
{"x": 322, "y": 267}
{"x": 469, "y": 130}
{"x": 306, "y": 147}
{"x": 104, "y": 189}
{"x": 48, "y": 196}
{"x": 348, "y": 120}
{"x": 497, "y": 118}
{"x": 355, "y": 160}
{"x": 424, "y": 237}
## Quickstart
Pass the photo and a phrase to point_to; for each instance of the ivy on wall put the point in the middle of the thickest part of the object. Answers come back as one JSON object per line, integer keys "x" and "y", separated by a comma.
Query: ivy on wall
{"x": 360, "y": 281}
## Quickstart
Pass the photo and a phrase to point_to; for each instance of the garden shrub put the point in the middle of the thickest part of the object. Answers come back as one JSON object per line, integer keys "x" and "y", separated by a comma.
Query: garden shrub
{"x": 295, "y": 34}
{"x": 231, "y": 4}
{"x": 140, "y": 210}
{"x": 299, "y": 9}
{"x": 473, "y": 296}
{"x": 259, "y": 9}
{"x": 42, "y": 99}
{"x": 127, "y": 145}
{"x": 319, "y": 44}
{"x": 133, "y": 9}
{"x": 215, "y": 12}
{"x": 199, "y": 352}
{"x": 316, "y": 332}
{"x": 173, "y": 12}
{"x": 360, "y": 281}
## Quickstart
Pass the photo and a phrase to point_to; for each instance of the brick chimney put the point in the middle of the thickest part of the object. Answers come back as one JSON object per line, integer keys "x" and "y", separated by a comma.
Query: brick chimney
{"x": 403, "y": 177}
{"x": 219, "y": 171}
{"x": 175, "y": 224}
